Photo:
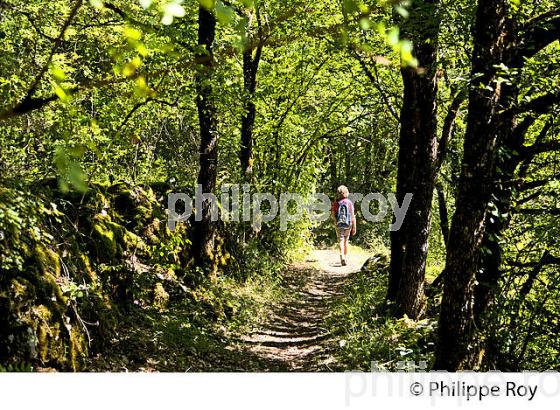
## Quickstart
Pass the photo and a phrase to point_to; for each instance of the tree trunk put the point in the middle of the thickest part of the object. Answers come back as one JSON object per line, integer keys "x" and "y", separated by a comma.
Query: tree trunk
{"x": 454, "y": 349}
{"x": 491, "y": 123}
{"x": 250, "y": 69}
{"x": 416, "y": 163}
{"x": 333, "y": 169}
{"x": 488, "y": 276}
{"x": 203, "y": 230}
{"x": 443, "y": 216}
{"x": 367, "y": 183}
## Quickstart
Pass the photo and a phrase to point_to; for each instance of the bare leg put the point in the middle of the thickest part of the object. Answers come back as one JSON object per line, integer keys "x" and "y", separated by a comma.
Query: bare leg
{"x": 340, "y": 246}
{"x": 345, "y": 247}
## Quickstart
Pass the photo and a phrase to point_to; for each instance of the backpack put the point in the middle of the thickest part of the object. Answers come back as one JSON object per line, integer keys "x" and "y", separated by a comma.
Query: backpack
{"x": 343, "y": 219}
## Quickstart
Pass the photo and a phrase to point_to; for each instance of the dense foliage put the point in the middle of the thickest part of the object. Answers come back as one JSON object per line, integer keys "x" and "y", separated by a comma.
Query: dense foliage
{"x": 108, "y": 106}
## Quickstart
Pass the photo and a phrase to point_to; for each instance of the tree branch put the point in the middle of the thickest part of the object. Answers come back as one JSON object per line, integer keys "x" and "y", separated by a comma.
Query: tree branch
{"x": 535, "y": 149}
{"x": 448, "y": 123}
{"x": 54, "y": 48}
{"x": 443, "y": 215}
{"x": 538, "y": 33}
{"x": 527, "y": 154}
{"x": 29, "y": 18}
{"x": 526, "y": 186}
{"x": 540, "y": 105}
{"x": 27, "y": 105}
{"x": 518, "y": 133}
{"x": 546, "y": 259}
{"x": 374, "y": 79}
{"x": 30, "y": 103}
{"x": 539, "y": 211}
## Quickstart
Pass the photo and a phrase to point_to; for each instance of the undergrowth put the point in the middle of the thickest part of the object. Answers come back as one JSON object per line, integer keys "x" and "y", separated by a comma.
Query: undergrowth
{"x": 84, "y": 275}
{"x": 370, "y": 338}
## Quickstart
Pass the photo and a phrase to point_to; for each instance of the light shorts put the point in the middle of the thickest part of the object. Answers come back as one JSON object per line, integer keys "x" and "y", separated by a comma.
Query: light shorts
{"x": 343, "y": 233}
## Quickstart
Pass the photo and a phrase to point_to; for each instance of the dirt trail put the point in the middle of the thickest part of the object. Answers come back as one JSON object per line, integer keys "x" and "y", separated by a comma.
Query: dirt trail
{"x": 294, "y": 337}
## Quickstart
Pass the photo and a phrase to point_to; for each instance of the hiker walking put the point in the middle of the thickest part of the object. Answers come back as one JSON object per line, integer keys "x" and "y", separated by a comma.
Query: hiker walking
{"x": 345, "y": 220}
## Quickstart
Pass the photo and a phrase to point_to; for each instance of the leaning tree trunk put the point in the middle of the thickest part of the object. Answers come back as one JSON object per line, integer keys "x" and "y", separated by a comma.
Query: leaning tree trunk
{"x": 416, "y": 163}
{"x": 203, "y": 230}
{"x": 486, "y": 95}
{"x": 511, "y": 170}
{"x": 513, "y": 138}
{"x": 489, "y": 274}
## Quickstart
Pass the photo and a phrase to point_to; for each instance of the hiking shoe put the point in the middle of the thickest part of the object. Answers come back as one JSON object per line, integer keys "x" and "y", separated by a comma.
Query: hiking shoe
{"x": 343, "y": 261}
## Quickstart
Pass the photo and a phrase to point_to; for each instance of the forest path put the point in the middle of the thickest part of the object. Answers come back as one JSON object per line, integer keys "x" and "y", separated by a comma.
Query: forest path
{"x": 294, "y": 337}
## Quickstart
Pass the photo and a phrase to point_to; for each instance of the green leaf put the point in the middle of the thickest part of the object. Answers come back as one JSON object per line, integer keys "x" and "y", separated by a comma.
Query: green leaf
{"x": 365, "y": 23}
{"x": 76, "y": 177}
{"x": 224, "y": 14}
{"x": 141, "y": 88}
{"x": 172, "y": 10}
{"x": 402, "y": 11}
{"x": 132, "y": 35}
{"x": 145, "y": 3}
{"x": 98, "y": 4}
{"x": 393, "y": 36}
{"x": 351, "y": 6}
{"x": 57, "y": 74}
{"x": 61, "y": 93}
{"x": 208, "y": 4}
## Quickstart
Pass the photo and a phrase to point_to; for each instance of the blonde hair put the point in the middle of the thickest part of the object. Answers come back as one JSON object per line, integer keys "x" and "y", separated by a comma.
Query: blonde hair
{"x": 342, "y": 192}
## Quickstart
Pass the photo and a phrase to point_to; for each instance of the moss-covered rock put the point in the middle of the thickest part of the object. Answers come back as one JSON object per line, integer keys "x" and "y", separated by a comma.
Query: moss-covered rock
{"x": 161, "y": 297}
{"x": 106, "y": 235}
{"x": 48, "y": 260}
{"x": 72, "y": 263}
